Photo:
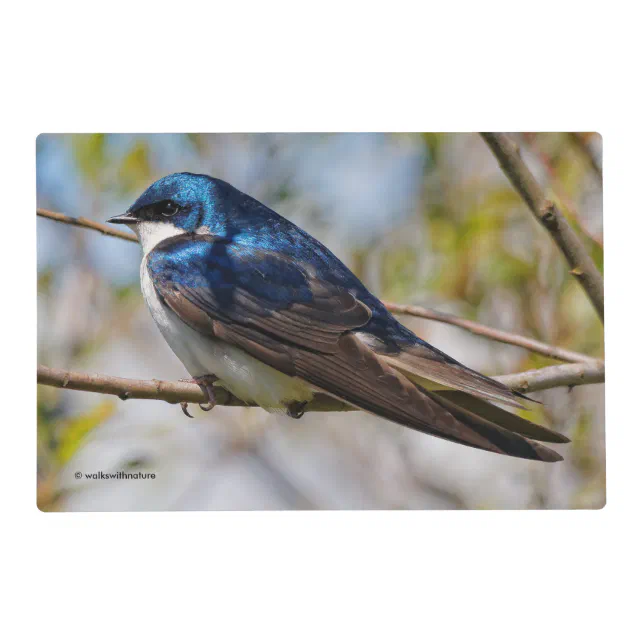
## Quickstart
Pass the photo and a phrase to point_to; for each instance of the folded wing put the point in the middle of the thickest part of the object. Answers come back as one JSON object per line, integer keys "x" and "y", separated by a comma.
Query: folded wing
{"x": 283, "y": 314}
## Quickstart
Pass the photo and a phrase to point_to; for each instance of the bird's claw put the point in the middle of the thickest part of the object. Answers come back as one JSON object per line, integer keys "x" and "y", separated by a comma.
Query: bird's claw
{"x": 184, "y": 409}
{"x": 206, "y": 385}
{"x": 296, "y": 409}
{"x": 207, "y": 388}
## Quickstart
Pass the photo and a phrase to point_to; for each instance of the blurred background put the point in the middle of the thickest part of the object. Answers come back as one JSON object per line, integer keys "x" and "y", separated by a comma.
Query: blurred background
{"x": 425, "y": 219}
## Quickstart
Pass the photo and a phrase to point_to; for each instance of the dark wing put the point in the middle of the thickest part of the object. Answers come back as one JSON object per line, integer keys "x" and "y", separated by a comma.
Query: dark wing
{"x": 282, "y": 313}
{"x": 419, "y": 363}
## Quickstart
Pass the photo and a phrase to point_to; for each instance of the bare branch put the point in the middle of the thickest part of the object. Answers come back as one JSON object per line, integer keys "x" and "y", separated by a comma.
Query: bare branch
{"x": 82, "y": 222}
{"x": 561, "y": 375}
{"x": 174, "y": 392}
{"x": 547, "y": 213}
{"x": 488, "y": 332}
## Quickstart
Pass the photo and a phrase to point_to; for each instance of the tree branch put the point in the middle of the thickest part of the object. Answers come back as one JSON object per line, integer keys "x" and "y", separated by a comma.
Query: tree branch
{"x": 547, "y": 213}
{"x": 561, "y": 375}
{"x": 174, "y": 392}
{"x": 429, "y": 314}
{"x": 488, "y": 332}
{"x": 82, "y": 222}
{"x": 171, "y": 392}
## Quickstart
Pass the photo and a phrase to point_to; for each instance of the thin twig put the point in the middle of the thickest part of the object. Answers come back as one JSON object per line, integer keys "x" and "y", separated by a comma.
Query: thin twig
{"x": 82, "y": 222}
{"x": 564, "y": 375}
{"x": 547, "y": 213}
{"x": 488, "y": 332}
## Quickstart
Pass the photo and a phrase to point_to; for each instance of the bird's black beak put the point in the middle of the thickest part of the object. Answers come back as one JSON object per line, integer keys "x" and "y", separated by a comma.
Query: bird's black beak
{"x": 125, "y": 218}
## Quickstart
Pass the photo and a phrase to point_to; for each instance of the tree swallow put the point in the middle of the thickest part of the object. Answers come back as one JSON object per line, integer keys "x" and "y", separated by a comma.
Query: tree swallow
{"x": 248, "y": 300}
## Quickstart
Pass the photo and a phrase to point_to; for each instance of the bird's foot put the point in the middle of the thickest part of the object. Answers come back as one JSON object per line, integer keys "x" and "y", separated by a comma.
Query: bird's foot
{"x": 296, "y": 409}
{"x": 206, "y": 384}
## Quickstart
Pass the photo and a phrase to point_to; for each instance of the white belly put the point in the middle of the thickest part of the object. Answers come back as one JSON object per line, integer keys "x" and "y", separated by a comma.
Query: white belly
{"x": 244, "y": 376}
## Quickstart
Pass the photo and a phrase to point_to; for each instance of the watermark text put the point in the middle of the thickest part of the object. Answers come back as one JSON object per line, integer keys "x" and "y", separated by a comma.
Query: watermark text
{"x": 120, "y": 476}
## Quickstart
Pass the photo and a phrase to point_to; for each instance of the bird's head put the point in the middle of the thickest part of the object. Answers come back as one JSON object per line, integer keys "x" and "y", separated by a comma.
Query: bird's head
{"x": 171, "y": 206}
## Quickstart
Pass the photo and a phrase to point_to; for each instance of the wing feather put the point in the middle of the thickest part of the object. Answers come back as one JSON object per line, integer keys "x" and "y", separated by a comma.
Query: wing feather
{"x": 358, "y": 376}
{"x": 313, "y": 333}
{"x": 501, "y": 417}
{"x": 423, "y": 368}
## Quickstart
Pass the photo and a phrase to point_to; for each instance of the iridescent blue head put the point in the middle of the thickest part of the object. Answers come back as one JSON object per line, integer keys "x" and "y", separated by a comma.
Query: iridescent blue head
{"x": 178, "y": 203}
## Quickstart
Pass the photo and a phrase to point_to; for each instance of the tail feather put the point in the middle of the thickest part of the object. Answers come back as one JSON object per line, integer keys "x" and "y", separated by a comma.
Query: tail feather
{"x": 502, "y": 417}
{"x": 504, "y": 439}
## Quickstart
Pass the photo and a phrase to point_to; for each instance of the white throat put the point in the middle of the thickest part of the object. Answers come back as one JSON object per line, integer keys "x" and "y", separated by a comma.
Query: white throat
{"x": 150, "y": 233}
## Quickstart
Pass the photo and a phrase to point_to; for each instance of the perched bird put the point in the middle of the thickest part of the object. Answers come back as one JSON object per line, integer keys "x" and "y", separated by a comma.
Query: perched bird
{"x": 249, "y": 300}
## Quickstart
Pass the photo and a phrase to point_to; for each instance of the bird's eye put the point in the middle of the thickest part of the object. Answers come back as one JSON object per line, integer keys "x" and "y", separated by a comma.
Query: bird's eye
{"x": 168, "y": 209}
